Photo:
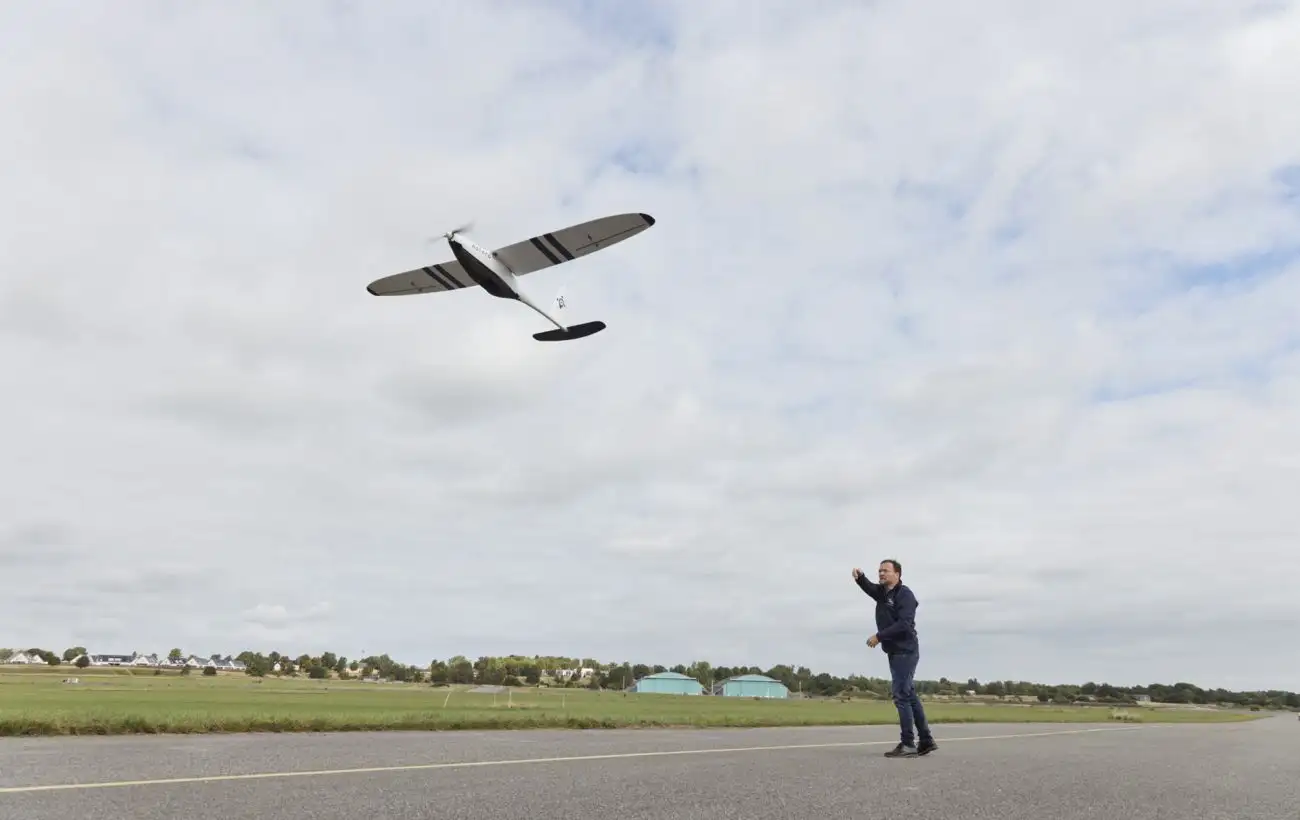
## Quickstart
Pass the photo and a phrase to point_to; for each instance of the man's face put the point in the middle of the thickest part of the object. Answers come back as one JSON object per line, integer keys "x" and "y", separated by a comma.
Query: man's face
{"x": 887, "y": 575}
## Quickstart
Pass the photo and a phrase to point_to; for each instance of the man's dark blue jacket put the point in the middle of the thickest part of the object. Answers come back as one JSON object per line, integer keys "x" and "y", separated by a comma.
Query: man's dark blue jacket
{"x": 895, "y": 616}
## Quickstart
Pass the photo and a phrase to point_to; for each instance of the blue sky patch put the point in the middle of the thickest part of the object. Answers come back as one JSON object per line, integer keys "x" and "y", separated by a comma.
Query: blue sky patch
{"x": 1157, "y": 276}
{"x": 1288, "y": 179}
{"x": 1108, "y": 393}
{"x": 640, "y": 157}
{"x": 638, "y": 24}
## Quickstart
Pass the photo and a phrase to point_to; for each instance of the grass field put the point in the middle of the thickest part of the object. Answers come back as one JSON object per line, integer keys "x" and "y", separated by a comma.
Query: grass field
{"x": 36, "y": 702}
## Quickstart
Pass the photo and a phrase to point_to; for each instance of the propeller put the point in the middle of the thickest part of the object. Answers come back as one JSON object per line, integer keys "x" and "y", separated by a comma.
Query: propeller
{"x": 466, "y": 228}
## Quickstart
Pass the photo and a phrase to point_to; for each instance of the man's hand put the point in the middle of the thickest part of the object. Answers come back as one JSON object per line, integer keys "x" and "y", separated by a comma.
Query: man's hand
{"x": 873, "y": 641}
{"x": 857, "y": 573}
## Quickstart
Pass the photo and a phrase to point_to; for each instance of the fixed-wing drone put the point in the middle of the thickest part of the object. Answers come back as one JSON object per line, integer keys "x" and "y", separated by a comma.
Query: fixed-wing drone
{"x": 498, "y": 271}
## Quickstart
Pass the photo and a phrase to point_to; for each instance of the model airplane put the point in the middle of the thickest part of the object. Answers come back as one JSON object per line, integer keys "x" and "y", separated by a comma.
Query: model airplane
{"x": 498, "y": 271}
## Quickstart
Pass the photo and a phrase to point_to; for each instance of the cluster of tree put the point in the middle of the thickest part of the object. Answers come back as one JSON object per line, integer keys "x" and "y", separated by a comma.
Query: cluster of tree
{"x": 555, "y": 670}
{"x": 328, "y": 664}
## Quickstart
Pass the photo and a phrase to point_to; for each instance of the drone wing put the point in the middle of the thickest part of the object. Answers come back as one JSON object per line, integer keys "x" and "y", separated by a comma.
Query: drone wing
{"x": 428, "y": 279}
{"x": 549, "y": 249}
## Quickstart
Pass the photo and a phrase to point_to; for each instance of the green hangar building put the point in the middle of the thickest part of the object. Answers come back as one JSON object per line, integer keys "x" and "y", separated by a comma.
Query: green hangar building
{"x": 668, "y": 683}
{"x": 752, "y": 686}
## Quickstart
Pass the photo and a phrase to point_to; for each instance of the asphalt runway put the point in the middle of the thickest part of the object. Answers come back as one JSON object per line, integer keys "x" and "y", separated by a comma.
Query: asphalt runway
{"x": 1245, "y": 771}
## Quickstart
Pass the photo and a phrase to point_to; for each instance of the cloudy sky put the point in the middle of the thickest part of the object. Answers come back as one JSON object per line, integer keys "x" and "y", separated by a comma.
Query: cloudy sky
{"x": 1007, "y": 291}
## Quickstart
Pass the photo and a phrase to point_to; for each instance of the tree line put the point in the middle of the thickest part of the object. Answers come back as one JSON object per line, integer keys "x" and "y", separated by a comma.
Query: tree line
{"x": 589, "y": 673}
{"x": 554, "y": 670}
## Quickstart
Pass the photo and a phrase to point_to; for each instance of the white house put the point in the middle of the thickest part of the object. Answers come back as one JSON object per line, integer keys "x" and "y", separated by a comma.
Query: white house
{"x": 582, "y": 674}
{"x": 108, "y": 660}
{"x": 153, "y": 660}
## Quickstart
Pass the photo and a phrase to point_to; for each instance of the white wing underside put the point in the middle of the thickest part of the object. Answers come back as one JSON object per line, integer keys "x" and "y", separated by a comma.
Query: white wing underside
{"x": 533, "y": 254}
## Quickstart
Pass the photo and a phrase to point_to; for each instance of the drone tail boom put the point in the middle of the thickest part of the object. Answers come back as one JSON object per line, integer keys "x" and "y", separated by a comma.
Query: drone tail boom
{"x": 574, "y": 332}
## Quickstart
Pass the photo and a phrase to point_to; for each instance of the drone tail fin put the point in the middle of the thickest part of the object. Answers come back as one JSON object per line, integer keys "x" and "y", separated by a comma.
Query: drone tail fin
{"x": 574, "y": 332}
{"x": 578, "y": 331}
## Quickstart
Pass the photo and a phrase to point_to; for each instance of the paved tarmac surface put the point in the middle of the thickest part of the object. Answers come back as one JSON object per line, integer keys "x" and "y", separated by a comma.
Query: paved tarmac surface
{"x": 1014, "y": 772}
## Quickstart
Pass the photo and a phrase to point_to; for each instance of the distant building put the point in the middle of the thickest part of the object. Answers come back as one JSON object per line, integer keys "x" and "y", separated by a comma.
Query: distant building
{"x": 153, "y": 660}
{"x": 668, "y": 683}
{"x": 752, "y": 686}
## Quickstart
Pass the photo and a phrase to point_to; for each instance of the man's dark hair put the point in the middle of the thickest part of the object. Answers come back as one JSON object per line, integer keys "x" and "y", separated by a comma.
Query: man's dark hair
{"x": 897, "y": 566}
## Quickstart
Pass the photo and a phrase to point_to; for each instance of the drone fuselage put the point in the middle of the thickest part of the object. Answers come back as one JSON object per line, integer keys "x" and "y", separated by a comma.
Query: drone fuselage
{"x": 491, "y": 274}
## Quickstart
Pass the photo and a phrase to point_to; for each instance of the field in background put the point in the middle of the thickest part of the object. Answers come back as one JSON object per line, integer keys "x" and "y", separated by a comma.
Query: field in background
{"x": 34, "y": 701}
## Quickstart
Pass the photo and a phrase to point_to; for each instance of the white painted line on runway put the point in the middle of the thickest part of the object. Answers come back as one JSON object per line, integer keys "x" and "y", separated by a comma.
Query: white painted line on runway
{"x": 470, "y": 764}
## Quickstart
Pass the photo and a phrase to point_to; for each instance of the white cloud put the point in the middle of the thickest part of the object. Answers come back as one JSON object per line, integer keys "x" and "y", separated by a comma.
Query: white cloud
{"x": 962, "y": 285}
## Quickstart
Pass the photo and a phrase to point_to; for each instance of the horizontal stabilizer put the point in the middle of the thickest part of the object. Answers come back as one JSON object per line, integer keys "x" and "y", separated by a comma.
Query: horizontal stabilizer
{"x": 574, "y": 332}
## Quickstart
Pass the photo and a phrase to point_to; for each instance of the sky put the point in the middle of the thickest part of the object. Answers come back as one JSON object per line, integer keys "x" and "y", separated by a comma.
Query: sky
{"x": 1006, "y": 291}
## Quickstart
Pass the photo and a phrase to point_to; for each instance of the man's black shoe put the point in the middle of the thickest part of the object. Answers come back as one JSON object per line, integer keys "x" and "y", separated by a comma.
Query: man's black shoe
{"x": 926, "y": 746}
{"x": 901, "y": 750}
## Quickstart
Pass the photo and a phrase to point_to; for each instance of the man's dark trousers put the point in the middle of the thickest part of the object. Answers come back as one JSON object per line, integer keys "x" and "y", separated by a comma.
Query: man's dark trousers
{"x": 911, "y": 714}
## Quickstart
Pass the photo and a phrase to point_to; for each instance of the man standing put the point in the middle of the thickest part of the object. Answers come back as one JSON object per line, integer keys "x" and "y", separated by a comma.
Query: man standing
{"x": 896, "y": 635}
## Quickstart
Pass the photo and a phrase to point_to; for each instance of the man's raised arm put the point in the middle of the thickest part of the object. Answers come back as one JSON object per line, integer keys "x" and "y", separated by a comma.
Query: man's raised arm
{"x": 872, "y": 589}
